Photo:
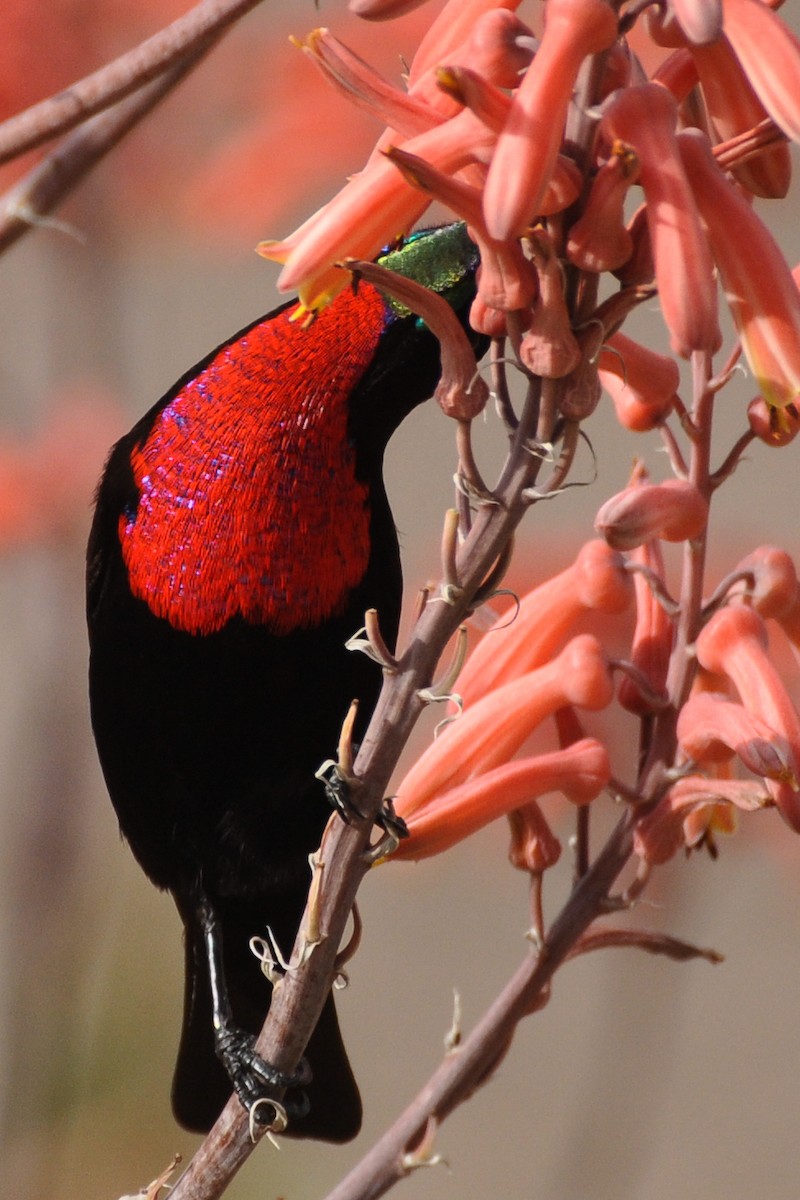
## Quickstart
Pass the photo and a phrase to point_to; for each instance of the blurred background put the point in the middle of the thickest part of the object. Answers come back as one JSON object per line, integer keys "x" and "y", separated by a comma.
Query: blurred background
{"x": 643, "y": 1077}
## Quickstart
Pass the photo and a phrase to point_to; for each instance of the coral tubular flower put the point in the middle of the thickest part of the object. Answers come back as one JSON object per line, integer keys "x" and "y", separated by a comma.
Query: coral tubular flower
{"x": 645, "y": 118}
{"x": 459, "y": 20}
{"x": 674, "y": 511}
{"x": 507, "y": 279}
{"x": 361, "y": 84}
{"x": 770, "y": 55}
{"x": 639, "y": 270}
{"x": 466, "y": 86}
{"x": 373, "y": 208}
{"x": 763, "y": 296}
{"x": 774, "y": 590}
{"x": 701, "y": 20}
{"x": 642, "y": 384}
{"x": 527, "y": 148}
{"x": 652, "y": 637}
{"x": 733, "y": 644}
{"x": 734, "y": 108}
{"x": 596, "y": 582}
{"x": 712, "y": 728}
{"x": 549, "y": 348}
{"x": 662, "y": 833}
{"x": 599, "y": 241}
{"x": 534, "y": 847}
{"x": 580, "y": 773}
{"x": 493, "y": 729}
{"x": 775, "y": 427}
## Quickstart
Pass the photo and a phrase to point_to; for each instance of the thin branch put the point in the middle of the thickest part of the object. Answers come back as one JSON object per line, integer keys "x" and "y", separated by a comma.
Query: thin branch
{"x": 473, "y": 1063}
{"x": 27, "y": 204}
{"x": 191, "y": 34}
{"x": 296, "y": 1005}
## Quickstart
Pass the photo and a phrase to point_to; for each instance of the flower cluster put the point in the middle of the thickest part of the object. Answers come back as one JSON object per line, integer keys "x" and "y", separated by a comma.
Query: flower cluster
{"x": 738, "y": 712}
{"x": 481, "y": 128}
{"x": 570, "y": 164}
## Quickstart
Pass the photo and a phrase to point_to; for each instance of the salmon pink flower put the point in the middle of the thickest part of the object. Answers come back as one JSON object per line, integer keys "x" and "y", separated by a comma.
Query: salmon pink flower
{"x": 580, "y": 773}
{"x": 652, "y": 637}
{"x": 644, "y": 118}
{"x": 673, "y": 511}
{"x": 371, "y": 210}
{"x": 712, "y": 728}
{"x": 770, "y": 56}
{"x": 734, "y": 109}
{"x": 639, "y": 270}
{"x": 763, "y": 296}
{"x": 549, "y": 348}
{"x": 774, "y": 588}
{"x": 733, "y": 644}
{"x": 582, "y": 391}
{"x": 360, "y": 83}
{"x": 599, "y": 241}
{"x": 489, "y": 26}
{"x": 534, "y": 847}
{"x": 642, "y": 384}
{"x": 701, "y": 20}
{"x": 662, "y": 832}
{"x": 704, "y": 822}
{"x": 492, "y": 729}
{"x": 470, "y": 89}
{"x": 775, "y": 427}
{"x": 596, "y": 582}
{"x": 507, "y": 279}
{"x": 529, "y": 144}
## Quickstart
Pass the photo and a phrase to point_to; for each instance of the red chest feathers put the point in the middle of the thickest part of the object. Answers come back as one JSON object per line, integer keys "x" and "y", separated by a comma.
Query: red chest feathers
{"x": 248, "y": 499}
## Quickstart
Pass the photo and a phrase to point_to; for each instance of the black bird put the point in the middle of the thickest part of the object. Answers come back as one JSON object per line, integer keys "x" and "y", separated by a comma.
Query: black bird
{"x": 241, "y": 531}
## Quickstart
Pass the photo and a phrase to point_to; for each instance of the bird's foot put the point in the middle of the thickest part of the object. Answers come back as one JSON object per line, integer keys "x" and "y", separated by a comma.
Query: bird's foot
{"x": 254, "y": 1080}
{"x": 388, "y": 820}
{"x": 339, "y": 790}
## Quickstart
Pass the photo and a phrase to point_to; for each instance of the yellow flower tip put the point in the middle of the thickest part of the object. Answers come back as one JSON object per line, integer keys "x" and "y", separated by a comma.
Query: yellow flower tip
{"x": 310, "y": 41}
{"x": 306, "y": 315}
{"x": 314, "y": 295}
{"x": 274, "y": 250}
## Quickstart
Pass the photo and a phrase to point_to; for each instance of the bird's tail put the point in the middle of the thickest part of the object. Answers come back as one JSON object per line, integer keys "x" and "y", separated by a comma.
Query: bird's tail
{"x": 201, "y": 1086}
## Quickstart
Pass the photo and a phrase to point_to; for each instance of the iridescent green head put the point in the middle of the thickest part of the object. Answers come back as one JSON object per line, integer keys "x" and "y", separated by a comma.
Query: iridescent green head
{"x": 444, "y": 259}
